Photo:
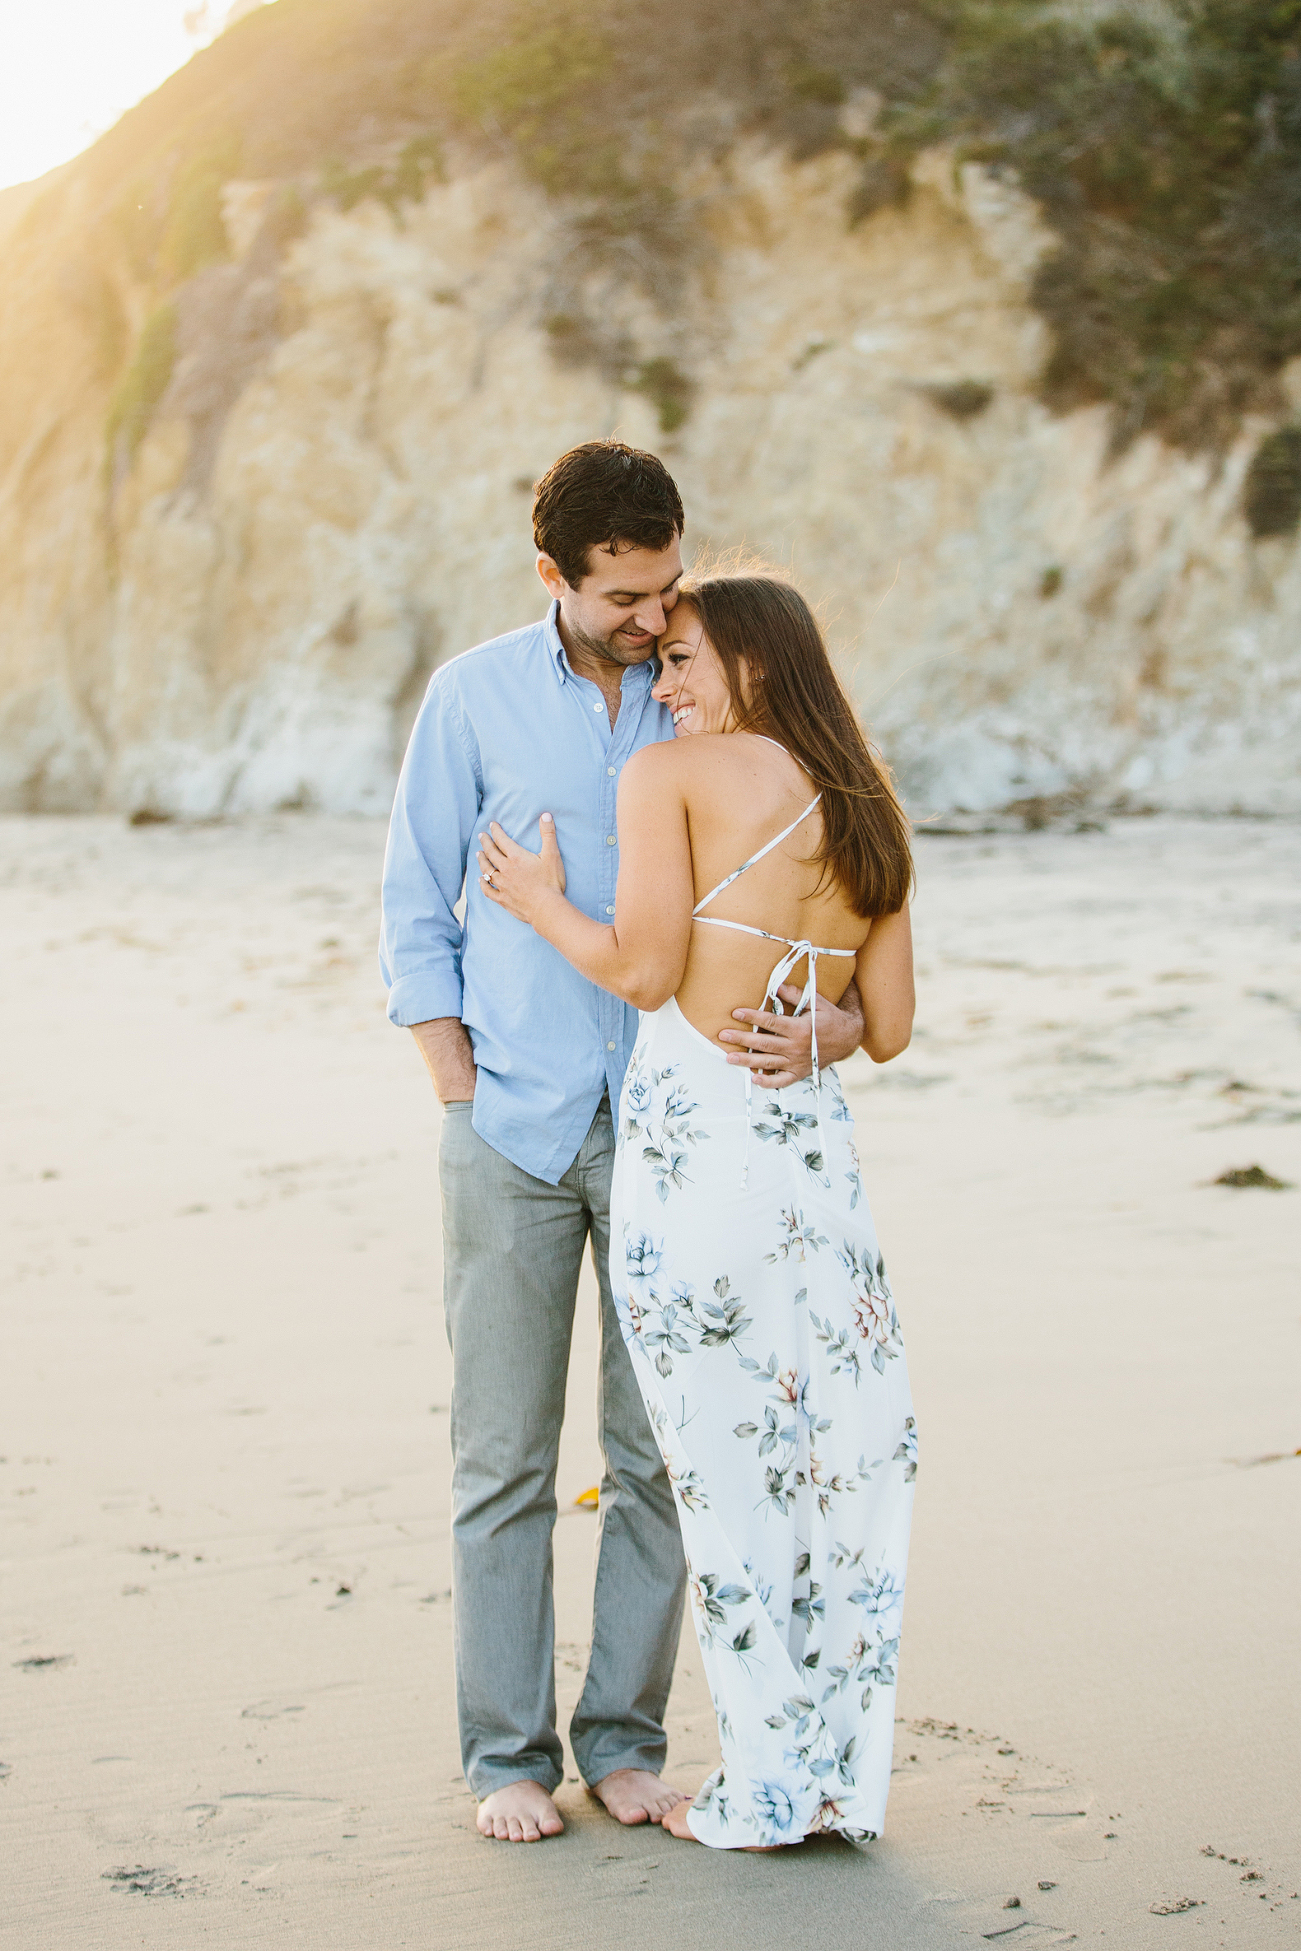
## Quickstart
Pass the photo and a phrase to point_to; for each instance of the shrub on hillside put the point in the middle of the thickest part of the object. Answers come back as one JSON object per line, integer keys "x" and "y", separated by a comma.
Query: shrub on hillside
{"x": 1169, "y": 164}
{"x": 141, "y": 387}
{"x": 1272, "y": 492}
{"x": 194, "y": 234}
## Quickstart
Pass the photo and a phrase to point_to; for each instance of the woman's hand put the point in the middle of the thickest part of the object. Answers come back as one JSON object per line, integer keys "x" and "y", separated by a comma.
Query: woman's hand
{"x": 517, "y": 880}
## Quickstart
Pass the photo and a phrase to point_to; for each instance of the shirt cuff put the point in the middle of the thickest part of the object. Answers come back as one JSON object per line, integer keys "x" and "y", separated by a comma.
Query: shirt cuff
{"x": 421, "y": 997}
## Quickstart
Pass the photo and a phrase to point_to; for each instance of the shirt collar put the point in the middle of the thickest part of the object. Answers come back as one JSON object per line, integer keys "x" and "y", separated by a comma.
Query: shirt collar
{"x": 551, "y": 636}
{"x": 561, "y": 664}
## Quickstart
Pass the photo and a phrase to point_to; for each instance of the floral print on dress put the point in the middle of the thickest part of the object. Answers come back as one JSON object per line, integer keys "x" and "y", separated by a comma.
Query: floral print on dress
{"x": 798, "y": 1238}
{"x": 874, "y": 1319}
{"x": 667, "y": 1315}
{"x": 907, "y": 1450}
{"x": 788, "y": 1126}
{"x": 764, "y": 1335}
{"x": 667, "y": 1136}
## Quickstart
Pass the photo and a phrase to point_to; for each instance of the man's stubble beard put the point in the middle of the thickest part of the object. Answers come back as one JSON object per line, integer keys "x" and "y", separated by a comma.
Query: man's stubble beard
{"x": 605, "y": 650}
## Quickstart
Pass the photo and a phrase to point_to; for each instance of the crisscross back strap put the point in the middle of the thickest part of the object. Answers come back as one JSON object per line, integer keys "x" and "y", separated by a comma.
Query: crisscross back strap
{"x": 754, "y": 858}
{"x": 795, "y": 953}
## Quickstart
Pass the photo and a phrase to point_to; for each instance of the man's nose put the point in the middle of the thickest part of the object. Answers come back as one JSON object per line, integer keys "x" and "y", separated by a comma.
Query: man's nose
{"x": 652, "y": 620}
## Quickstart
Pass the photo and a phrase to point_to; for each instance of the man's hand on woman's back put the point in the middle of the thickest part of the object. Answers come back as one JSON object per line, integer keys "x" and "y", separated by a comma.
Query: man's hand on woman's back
{"x": 779, "y": 1049}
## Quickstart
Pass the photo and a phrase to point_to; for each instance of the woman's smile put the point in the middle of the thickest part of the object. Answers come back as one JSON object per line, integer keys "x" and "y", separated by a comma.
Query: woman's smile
{"x": 691, "y": 682}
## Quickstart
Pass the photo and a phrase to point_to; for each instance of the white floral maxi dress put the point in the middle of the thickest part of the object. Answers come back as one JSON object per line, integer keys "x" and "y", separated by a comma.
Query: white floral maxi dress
{"x": 755, "y": 1306}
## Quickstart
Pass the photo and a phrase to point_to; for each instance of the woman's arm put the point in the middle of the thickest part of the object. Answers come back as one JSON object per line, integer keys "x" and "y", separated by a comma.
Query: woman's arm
{"x": 884, "y": 974}
{"x": 642, "y": 956}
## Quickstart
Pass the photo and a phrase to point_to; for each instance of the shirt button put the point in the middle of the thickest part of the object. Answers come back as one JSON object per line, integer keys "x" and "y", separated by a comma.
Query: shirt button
{"x": 609, "y": 1046}
{"x": 609, "y": 772}
{"x": 609, "y": 840}
{"x": 609, "y": 911}
{"x": 598, "y": 707}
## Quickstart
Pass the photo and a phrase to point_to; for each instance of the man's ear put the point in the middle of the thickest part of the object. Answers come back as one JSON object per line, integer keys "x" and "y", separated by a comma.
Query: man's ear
{"x": 551, "y": 576}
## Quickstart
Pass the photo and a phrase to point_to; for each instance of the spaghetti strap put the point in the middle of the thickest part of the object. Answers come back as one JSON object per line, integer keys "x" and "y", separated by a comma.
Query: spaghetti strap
{"x": 754, "y": 858}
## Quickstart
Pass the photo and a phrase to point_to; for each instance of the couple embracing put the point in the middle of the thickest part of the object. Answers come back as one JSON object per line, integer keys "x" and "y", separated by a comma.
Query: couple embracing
{"x": 633, "y": 1032}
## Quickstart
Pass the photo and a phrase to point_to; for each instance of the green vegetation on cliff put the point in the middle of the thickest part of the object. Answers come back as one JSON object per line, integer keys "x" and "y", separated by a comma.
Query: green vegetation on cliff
{"x": 1164, "y": 146}
{"x": 142, "y": 385}
{"x": 1167, "y": 157}
{"x": 1169, "y": 164}
{"x": 533, "y": 90}
{"x": 1273, "y": 497}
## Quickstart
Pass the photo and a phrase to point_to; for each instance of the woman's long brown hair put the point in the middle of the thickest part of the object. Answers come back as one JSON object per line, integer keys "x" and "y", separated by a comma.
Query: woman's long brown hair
{"x": 781, "y": 682}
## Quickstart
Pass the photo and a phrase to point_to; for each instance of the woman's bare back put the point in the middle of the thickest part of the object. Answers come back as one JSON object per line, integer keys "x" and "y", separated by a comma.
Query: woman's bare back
{"x": 740, "y": 790}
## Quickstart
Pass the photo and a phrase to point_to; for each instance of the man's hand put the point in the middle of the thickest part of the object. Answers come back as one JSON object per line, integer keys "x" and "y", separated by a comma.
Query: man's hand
{"x": 779, "y": 1049}
{"x": 449, "y": 1057}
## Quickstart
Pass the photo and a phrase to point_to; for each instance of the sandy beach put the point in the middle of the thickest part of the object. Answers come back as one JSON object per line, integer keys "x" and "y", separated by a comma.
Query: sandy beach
{"x": 226, "y": 1708}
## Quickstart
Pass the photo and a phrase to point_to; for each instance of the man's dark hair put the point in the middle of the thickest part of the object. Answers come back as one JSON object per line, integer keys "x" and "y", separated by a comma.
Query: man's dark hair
{"x": 608, "y": 496}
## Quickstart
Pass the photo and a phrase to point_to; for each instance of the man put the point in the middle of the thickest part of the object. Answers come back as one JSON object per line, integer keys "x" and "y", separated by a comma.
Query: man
{"x": 528, "y": 1059}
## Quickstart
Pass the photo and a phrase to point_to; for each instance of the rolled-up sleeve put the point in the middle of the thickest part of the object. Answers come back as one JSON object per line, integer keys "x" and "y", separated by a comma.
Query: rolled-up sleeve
{"x": 439, "y": 794}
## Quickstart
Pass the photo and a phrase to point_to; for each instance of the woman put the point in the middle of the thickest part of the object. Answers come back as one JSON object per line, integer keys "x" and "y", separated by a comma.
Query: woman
{"x": 744, "y": 1261}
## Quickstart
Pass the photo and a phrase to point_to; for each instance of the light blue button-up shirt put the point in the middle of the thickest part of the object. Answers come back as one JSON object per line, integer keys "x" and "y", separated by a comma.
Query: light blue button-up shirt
{"x": 507, "y": 732}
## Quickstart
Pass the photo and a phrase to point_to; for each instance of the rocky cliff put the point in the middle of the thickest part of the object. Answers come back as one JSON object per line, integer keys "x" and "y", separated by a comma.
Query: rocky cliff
{"x": 239, "y": 527}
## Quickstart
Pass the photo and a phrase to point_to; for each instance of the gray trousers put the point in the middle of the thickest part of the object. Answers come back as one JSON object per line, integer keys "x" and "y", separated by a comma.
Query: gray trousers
{"x": 512, "y": 1251}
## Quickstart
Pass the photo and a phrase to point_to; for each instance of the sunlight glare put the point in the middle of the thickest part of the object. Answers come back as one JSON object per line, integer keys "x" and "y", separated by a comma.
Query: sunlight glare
{"x": 70, "y": 68}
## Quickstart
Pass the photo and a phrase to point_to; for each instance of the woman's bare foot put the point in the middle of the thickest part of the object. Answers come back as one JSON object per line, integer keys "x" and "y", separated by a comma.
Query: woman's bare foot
{"x": 522, "y": 1812}
{"x": 676, "y": 1824}
{"x": 634, "y": 1795}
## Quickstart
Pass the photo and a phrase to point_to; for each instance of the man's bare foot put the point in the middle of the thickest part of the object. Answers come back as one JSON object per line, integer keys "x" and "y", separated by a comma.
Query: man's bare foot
{"x": 635, "y": 1795}
{"x": 522, "y": 1812}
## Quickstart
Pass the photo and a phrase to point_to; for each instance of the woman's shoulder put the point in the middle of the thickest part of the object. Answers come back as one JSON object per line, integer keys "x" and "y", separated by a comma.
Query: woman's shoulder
{"x": 677, "y": 757}
{"x": 653, "y": 773}
{"x": 685, "y": 765}
{"x": 699, "y": 749}
{"x": 654, "y": 761}
{"x": 710, "y": 760}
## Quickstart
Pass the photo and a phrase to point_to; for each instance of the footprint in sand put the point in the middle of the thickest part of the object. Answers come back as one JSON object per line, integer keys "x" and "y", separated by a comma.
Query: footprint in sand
{"x": 147, "y": 1882}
